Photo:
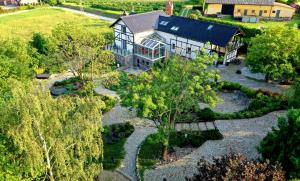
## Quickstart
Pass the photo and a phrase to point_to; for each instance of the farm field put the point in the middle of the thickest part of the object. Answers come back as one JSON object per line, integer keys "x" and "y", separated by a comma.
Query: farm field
{"x": 44, "y": 20}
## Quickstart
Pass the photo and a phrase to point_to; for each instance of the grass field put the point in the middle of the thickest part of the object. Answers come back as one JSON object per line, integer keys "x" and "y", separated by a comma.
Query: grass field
{"x": 44, "y": 20}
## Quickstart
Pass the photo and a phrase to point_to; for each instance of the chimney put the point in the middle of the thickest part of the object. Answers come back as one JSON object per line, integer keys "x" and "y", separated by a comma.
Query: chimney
{"x": 169, "y": 8}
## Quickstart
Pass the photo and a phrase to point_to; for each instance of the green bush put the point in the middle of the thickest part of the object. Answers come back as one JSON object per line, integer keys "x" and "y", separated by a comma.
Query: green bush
{"x": 67, "y": 81}
{"x": 109, "y": 101}
{"x": 283, "y": 143}
{"x": 114, "y": 138}
{"x": 206, "y": 114}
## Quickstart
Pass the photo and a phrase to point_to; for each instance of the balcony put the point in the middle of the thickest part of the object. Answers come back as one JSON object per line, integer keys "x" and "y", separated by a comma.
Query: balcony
{"x": 118, "y": 50}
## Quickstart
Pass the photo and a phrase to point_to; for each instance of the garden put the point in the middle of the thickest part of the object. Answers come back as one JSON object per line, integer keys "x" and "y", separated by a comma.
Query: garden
{"x": 180, "y": 144}
{"x": 114, "y": 138}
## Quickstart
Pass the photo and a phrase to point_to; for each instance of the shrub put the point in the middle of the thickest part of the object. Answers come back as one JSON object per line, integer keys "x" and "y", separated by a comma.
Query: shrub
{"x": 237, "y": 167}
{"x": 109, "y": 101}
{"x": 193, "y": 138}
{"x": 294, "y": 95}
{"x": 67, "y": 81}
{"x": 283, "y": 143}
{"x": 206, "y": 114}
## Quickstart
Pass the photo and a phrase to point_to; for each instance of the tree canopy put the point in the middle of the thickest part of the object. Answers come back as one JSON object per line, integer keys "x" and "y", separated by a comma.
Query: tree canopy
{"x": 164, "y": 93}
{"x": 57, "y": 139}
{"x": 275, "y": 52}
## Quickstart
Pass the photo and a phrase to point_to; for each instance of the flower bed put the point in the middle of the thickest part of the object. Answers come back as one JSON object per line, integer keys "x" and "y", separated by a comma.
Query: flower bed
{"x": 151, "y": 150}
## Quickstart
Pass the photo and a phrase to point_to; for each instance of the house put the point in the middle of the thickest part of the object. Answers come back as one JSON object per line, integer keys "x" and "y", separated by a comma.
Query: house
{"x": 17, "y": 2}
{"x": 142, "y": 39}
{"x": 258, "y": 8}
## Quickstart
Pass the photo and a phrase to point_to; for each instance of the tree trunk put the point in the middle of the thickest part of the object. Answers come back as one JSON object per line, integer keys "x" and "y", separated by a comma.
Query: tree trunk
{"x": 267, "y": 78}
{"x": 165, "y": 153}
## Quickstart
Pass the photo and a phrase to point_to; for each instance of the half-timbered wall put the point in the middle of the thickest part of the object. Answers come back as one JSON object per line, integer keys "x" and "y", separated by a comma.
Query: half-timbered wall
{"x": 122, "y": 38}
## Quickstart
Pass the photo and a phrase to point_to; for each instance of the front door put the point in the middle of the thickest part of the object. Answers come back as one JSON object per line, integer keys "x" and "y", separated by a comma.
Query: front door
{"x": 261, "y": 13}
{"x": 227, "y": 9}
{"x": 246, "y": 12}
{"x": 277, "y": 13}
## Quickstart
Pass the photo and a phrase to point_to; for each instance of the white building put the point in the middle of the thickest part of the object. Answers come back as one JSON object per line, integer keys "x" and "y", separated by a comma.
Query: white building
{"x": 142, "y": 39}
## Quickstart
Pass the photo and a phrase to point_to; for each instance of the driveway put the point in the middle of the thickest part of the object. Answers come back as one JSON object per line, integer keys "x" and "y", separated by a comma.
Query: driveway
{"x": 86, "y": 14}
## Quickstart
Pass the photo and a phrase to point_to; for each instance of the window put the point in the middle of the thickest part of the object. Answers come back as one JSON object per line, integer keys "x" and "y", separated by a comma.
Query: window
{"x": 173, "y": 46}
{"x": 147, "y": 63}
{"x": 174, "y": 28}
{"x": 265, "y": 11}
{"x": 189, "y": 50}
{"x": 164, "y": 23}
{"x": 239, "y": 11}
{"x": 123, "y": 29}
{"x": 245, "y": 12}
{"x": 124, "y": 44}
{"x": 253, "y": 11}
{"x": 260, "y": 12}
{"x": 273, "y": 11}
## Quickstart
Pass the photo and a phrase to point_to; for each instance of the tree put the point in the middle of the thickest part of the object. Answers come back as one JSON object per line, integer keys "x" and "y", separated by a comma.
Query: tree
{"x": 82, "y": 51}
{"x": 274, "y": 52}
{"x": 164, "y": 93}
{"x": 58, "y": 139}
{"x": 283, "y": 143}
{"x": 237, "y": 167}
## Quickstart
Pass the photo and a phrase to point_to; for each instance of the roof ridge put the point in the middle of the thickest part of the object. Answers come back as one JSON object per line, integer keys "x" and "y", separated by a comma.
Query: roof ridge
{"x": 149, "y": 12}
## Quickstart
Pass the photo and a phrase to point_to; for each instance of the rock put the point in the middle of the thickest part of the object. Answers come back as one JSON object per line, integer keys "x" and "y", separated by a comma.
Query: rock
{"x": 42, "y": 76}
{"x": 56, "y": 91}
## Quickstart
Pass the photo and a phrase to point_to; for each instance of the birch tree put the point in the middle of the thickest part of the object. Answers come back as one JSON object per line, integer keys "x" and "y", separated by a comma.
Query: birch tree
{"x": 59, "y": 139}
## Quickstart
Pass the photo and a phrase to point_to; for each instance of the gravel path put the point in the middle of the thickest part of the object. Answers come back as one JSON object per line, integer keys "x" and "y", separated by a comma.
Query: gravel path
{"x": 131, "y": 146}
{"x": 229, "y": 73}
{"x": 242, "y": 136}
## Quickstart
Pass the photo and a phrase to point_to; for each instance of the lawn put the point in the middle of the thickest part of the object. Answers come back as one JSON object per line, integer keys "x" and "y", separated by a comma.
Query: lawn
{"x": 44, "y": 20}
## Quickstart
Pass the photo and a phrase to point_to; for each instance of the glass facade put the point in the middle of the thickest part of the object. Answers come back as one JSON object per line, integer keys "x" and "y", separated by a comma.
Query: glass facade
{"x": 150, "y": 49}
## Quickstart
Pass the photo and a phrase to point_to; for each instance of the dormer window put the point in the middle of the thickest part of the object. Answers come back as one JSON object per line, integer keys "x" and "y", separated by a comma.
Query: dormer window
{"x": 175, "y": 28}
{"x": 165, "y": 23}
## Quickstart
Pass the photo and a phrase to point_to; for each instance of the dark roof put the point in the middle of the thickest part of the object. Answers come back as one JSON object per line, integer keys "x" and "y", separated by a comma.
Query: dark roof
{"x": 253, "y": 2}
{"x": 141, "y": 22}
{"x": 202, "y": 31}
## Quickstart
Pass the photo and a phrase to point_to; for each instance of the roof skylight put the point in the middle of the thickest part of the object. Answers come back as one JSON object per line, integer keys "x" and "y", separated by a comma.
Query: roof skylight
{"x": 174, "y": 28}
{"x": 164, "y": 23}
{"x": 210, "y": 27}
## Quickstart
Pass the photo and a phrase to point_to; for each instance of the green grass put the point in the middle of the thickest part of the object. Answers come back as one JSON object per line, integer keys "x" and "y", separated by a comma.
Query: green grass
{"x": 43, "y": 20}
{"x": 151, "y": 149}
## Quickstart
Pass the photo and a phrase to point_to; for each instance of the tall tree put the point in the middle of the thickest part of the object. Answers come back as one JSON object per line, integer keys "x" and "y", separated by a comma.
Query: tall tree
{"x": 82, "y": 50}
{"x": 163, "y": 94}
{"x": 59, "y": 139}
{"x": 274, "y": 52}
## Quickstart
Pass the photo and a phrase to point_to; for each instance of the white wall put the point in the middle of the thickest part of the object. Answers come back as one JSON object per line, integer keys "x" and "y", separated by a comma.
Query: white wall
{"x": 128, "y": 38}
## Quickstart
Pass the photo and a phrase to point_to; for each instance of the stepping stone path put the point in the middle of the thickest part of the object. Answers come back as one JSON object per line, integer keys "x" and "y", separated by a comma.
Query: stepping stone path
{"x": 201, "y": 126}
